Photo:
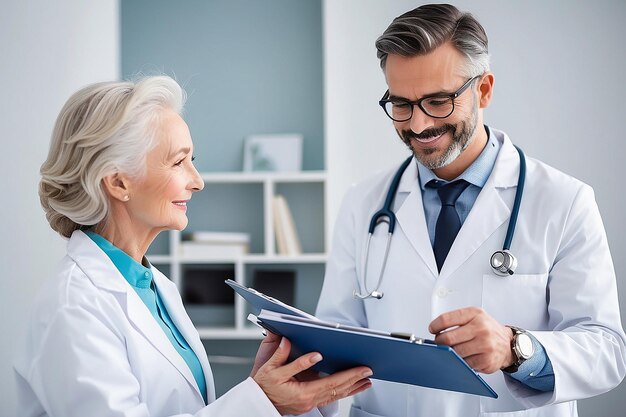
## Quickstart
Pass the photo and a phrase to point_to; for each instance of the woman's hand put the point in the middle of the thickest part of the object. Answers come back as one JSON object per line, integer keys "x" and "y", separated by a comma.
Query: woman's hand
{"x": 291, "y": 396}
{"x": 266, "y": 350}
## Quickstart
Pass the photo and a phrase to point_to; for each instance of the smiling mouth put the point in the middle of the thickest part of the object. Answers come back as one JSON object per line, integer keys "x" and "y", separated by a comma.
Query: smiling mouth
{"x": 180, "y": 203}
{"x": 429, "y": 139}
{"x": 426, "y": 137}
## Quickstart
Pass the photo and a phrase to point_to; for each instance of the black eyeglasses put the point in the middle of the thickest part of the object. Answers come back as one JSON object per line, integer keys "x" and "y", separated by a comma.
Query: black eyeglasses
{"x": 438, "y": 106}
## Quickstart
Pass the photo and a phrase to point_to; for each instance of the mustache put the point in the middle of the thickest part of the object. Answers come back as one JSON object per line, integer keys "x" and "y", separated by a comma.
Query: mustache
{"x": 407, "y": 135}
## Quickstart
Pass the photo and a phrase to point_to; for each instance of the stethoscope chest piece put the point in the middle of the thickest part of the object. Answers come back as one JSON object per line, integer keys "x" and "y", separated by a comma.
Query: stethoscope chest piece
{"x": 503, "y": 263}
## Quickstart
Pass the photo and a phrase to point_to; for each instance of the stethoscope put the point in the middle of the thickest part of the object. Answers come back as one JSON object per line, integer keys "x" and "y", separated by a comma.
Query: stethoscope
{"x": 502, "y": 261}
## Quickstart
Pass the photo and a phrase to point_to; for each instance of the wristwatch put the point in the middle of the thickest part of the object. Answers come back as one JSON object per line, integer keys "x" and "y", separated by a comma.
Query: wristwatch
{"x": 522, "y": 347}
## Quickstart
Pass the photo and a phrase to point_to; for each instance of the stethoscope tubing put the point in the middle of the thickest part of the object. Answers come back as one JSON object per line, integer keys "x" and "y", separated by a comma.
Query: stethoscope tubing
{"x": 521, "y": 179}
{"x": 386, "y": 211}
{"x": 386, "y": 215}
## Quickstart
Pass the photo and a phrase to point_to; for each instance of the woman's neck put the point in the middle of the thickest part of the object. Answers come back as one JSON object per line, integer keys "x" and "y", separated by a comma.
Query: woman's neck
{"x": 126, "y": 236}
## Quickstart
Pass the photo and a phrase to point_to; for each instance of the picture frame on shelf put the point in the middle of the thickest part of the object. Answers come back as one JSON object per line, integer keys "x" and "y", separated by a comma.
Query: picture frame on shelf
{"x": 273, "y": 153}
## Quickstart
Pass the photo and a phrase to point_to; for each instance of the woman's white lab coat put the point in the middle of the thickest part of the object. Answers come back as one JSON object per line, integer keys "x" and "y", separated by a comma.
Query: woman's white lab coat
{"x": 93, "y": 349}
{"x": 564, "y": 290}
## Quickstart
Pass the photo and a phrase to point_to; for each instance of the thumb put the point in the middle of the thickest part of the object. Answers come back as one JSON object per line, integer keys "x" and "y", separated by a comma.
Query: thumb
{"x": 280, "y": 355}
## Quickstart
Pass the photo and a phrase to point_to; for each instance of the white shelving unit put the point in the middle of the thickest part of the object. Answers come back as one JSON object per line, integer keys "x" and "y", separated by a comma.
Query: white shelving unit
{"x": 269, "y": 182}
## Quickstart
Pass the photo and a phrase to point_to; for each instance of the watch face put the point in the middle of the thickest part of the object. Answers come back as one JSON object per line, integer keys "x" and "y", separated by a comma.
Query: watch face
{"x": 524, "y": 345}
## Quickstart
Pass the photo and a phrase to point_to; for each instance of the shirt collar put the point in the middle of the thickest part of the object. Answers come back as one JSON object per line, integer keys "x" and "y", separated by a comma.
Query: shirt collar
{"x": 135, "y": 273}
{"x": 477, "y": 174}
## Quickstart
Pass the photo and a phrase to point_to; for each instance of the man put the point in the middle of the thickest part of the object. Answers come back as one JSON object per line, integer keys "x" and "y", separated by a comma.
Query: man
{"x": 543, "y": 337}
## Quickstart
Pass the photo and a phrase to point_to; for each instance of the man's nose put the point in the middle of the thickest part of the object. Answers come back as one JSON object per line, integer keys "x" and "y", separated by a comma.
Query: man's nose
{"x": 420, "y": 121}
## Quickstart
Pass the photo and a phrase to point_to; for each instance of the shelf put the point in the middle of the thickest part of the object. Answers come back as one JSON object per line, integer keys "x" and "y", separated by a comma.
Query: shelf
{"x": 222, "y": 207}
{"x": 306, "y": 258}
{"x": 159, "y": 259}
{"x": 313, "y": 258}
{"x": 229, "y": 333}
{"x": 261, "y": 177}
{"x": 231, "y": 360}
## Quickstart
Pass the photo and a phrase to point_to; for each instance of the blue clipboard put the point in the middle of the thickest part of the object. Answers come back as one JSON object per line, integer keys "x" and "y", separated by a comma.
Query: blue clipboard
{"x": 395, "y": 357}
{"x": 260, "y": 301}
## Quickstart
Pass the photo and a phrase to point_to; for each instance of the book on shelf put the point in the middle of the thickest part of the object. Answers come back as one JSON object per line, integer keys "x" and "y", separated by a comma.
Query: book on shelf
{"x": 214, "y": 244}
{"x": 287, "y": 241}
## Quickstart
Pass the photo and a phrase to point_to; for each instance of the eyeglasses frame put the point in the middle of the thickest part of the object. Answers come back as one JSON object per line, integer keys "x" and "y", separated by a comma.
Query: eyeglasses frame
{"x": 385, "y": 99}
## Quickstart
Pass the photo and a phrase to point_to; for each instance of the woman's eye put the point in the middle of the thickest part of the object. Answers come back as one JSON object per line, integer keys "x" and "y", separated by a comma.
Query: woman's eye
{"x": 179, "y": 163}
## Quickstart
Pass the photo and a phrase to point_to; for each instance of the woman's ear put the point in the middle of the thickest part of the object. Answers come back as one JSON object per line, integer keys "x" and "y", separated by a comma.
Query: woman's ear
{"x": 485, "y": 89}
{"x": 117, "y": 186}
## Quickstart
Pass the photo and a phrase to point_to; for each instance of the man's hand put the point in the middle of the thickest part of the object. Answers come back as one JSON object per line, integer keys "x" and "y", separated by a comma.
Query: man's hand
{"x": 477, "y": 337}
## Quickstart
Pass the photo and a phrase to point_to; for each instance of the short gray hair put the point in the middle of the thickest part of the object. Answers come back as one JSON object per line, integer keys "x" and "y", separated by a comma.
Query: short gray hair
{"x": 103, "y": 129}
{"x": 427, "y": 27}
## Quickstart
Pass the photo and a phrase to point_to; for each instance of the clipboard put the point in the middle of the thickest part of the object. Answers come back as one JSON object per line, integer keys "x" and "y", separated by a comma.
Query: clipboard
{"x": 395, "y": 357}
{"x": 260, "y": 301}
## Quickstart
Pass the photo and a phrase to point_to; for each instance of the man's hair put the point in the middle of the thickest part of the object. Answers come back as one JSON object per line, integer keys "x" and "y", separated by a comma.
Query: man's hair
{"x": 424, "y": 29}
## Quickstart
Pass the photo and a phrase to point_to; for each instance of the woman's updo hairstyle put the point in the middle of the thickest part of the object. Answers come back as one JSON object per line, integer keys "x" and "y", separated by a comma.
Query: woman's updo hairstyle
{"x": 103, "y": 129}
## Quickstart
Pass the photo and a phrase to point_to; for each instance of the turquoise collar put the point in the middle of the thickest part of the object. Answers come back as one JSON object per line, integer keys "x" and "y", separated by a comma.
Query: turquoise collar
{"x": 135, "y": 273}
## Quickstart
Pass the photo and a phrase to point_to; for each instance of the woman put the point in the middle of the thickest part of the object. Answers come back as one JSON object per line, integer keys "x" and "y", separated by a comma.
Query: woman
{"x": 109, "y": 335}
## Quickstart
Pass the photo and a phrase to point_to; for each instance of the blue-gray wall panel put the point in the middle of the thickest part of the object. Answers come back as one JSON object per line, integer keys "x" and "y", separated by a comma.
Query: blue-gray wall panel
{"x": 250, "y": 67}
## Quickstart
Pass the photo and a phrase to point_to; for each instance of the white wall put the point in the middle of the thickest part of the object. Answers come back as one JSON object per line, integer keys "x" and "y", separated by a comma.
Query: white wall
{"x": 559, "y": 94}
{"x": 48, "y": 50}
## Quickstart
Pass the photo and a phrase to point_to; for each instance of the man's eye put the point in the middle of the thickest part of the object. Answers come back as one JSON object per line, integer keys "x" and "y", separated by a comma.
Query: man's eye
{"x": 443, "y": 101}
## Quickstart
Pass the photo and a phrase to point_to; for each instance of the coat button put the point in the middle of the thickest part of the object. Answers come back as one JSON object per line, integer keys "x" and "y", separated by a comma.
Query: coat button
{"x": 442, "y": 292}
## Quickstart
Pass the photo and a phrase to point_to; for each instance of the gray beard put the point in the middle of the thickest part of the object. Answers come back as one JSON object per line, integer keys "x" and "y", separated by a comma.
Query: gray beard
{"x": 462, "y": 136}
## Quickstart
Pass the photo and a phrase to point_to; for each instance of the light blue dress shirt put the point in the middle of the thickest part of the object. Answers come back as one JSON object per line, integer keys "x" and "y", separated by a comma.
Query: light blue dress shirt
{"x": 140, "y": 278}
{"x": 536, "y": 372}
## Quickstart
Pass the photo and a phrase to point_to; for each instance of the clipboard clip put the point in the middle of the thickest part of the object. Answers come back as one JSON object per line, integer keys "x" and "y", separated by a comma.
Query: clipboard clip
{"x": 412, "y": 338}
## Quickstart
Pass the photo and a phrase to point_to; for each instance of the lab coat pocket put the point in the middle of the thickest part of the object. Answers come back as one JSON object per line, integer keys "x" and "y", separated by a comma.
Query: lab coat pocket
{"x": 519, "y": 300}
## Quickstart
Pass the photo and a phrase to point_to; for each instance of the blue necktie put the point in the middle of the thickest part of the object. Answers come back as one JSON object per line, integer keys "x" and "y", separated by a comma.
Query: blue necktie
{"x": 448, "y": 222}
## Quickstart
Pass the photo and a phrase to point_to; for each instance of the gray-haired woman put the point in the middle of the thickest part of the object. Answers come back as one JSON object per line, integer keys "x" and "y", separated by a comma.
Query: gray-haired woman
{"x": 109, "y": 335}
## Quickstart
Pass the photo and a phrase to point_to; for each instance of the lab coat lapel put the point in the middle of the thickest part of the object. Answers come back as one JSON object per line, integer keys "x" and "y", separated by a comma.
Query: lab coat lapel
{"x": 171, "y": 299}
{"x": 142, "y": 320}
{"x": 103, "y": 273}
{"x": 490, "y": 210}
{"x": 410, "y": 216}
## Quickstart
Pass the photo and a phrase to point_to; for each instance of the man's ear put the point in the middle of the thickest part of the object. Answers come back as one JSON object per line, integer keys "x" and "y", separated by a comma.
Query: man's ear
{"x": 485, "y": 89}
{"x": 117, "y": 186}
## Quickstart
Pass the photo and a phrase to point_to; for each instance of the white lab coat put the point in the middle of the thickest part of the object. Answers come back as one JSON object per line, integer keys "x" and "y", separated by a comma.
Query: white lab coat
{"x": 93, "y": 349}
{"x": 563, "y": 291}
